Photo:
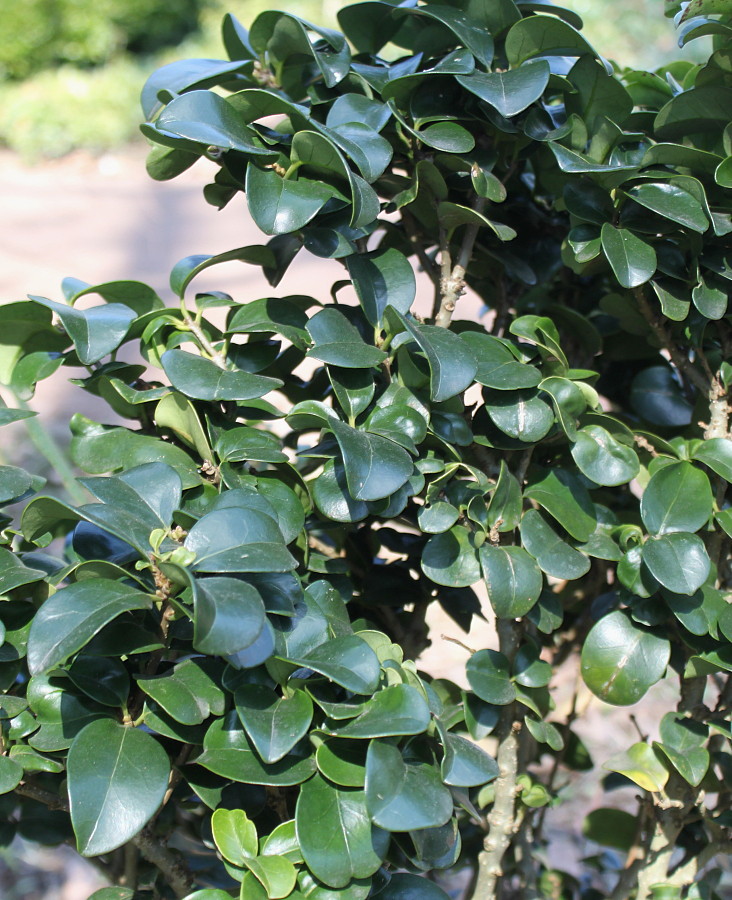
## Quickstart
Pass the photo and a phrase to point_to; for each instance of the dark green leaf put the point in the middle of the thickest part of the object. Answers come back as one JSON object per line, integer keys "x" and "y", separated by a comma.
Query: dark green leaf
{"x": 452, "y": 364}
{"x": 512, "y": 578}
{"x": 672, "y": 202}
{"x": 279, "y": 206}
{"x": 465, "y": 764}
{"x": 509, "y": 92}
{"x": 717, "y": 454}
{"x": 228, "y": 751}
{"x": 497, "y": 366}
{"x": 489, "y": 675}
{"x": 602, "y": 458}
{"x": 632, "y": 260}
{"x": 95, "y": 332}
{"x": 382, "y": 278}
{"x": 657, "y": 397}
{"x": 338, "y": 343}
{"x": 188, "y": 692}
{"x": 677, "y": 498}
{"x": 522, "y": 415}
{"x": 117, "y": 778}
{"x": 347, "y": 660}
{"x": 207, "y": 118}
{"x": 375, "y": 467}
{"x": 238, "y": 540}
{"x": 404, "y": 886}
{"x": 69, "y": 619}
{"x": 621, "y": 660}
{"x": 450, "y": 558}
{"x": 274, "y": 724}
{"x": 561, "y": 493}
{"x": 334, "y": 829}
{"x": 541, "y": 36}
{"x": 397, "y": 710}
{"x": 403, "y": 795}
{"x": 554, "y": 556}
{"x": 229, "y": 615}
{"x": 202, "y": 379}
{"x": 678, "y": 561}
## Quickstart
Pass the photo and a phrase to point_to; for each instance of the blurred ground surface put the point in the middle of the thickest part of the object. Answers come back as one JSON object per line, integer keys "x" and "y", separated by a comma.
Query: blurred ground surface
{"x": 105, "y": 219}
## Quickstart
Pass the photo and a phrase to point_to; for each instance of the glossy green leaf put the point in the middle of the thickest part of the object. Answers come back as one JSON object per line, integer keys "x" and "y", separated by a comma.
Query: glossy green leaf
{"x": 464, "y": 763}
{"x": 69, "y": 619}
{"x": 404, "y": 886}
{"x": 621, "y": 660}
{"x": 403, "y": 795}
{"x": 117, "y": 777}
{"x": 450, "y": 558}
{"x": 513, "y": 580}
{"x": 342, "y": 762}
{"x": 188, "y": 692}
{"x": 717, "y": 454}
{"x": 641, "y": 764}
{"x": 334, "y": 829}
{"x": 489, "y": 675}
{"x": 202, "y": 379}
{"x": 11, "y": 774}
{"x": 276, "y": 874}
{"x": 103, "y": 448}
{"x": 280, "y": 207}
{"x": 544, "y": 35}
{"x": 602, "y": 458}
{"x": 522, "y": 415}
{"x": 561, "y": 493}
{"x": 235, "y": 835}
{"x": 338, "y": 343}
{"x": 672, "y": 202}
{"x": 396, "y": 710}
{"x": 375, "y": 467}
{"x": 705, "y": 108}
{"x": 96, "y": 332}
{"x": 509, "y": 92}
{"x": 452, "y": 215}
{"x": 677, "y": 560}
{"x": 207, "y": 118}
{"x": 632, "y": 260}
{"x": 382, "y": 278}
{"x": 452, "y": 364}
{"x": 677, "y": 498}
{"x": 238, "y": 540}
{"x": 348, "y": 661}
{"x": 710, "y": 300}
{"x": 104, "y": 680}
{"x": 229, "y": 615}
{"x": 554, "y": 556}
{"x": 229, "y": 752}
{"x": 497, "y": 366}
{"x": 469, "y": 30}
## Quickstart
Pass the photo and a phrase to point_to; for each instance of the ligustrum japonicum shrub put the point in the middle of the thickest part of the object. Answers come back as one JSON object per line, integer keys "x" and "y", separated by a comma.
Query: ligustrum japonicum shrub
{"x": 210, "y": 660}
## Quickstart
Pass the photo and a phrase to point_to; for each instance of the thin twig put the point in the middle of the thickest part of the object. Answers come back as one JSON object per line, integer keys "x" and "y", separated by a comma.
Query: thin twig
{"x": 501, "y": 819}
{"x": 683, "y": 363}
{"x": 177, "y": 876}
{"x": 453, "y": 280}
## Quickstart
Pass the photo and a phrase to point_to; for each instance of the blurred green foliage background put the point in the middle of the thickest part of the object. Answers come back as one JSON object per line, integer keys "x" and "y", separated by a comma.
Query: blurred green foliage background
{"x": 71, "y": 70}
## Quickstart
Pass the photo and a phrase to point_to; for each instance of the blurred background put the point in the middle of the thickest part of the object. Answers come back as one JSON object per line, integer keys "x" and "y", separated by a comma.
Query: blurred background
{"x": 77, "y": 202}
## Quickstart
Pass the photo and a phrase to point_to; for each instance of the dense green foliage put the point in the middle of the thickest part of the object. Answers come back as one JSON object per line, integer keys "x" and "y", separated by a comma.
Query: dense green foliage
{"x": 41, "y": 34}
{"x": 216, "y": 648}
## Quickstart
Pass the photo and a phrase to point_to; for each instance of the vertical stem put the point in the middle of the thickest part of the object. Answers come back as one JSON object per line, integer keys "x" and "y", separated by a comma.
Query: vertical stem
{"x": 502, "y": 817}
{"x": 453, "y": 278}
